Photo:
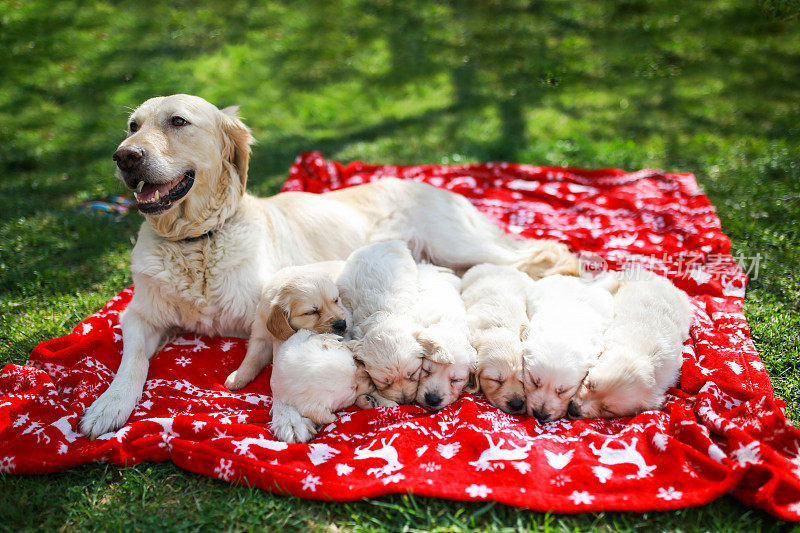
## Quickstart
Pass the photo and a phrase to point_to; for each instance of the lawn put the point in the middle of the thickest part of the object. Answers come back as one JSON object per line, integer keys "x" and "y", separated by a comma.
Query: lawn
{"x": 710, "y": 87}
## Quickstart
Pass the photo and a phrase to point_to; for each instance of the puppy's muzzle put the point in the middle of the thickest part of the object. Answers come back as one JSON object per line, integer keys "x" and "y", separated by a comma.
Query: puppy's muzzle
{"x": 432, "y": 400}
{"x": 129, "y": 157}
{"x": 540, "y": 415}
{"x": 515, "y": 405}
{"x": 339, "y": 326}
{"x": 573, "y": 411}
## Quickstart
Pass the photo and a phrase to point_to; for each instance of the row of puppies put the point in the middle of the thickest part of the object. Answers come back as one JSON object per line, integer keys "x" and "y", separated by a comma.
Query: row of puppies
{"x": 413, "y": 338}
{"x": 563, "y": 346}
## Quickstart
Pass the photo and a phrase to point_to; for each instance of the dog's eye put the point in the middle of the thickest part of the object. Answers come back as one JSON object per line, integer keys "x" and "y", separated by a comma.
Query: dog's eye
{"x": 457, "y": 380}
{"x": 426, "y": 373}
{"x": 536, "y": 383}
{"x": 589, "y": 385}
{"x": 178, "y": 121}
{"x": 133, "y": 126}
{"x": 312, "y": 312}
{"x": 336, "y": 301}
{"x": 560, "y": 391}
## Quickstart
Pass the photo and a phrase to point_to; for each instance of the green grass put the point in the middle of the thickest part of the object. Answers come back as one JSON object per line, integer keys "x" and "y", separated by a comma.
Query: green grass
{"x": 710, "y": 87}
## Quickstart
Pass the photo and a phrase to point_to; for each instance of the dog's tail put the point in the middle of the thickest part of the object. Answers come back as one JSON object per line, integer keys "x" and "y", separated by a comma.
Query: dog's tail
{"x": 542, "y": 257}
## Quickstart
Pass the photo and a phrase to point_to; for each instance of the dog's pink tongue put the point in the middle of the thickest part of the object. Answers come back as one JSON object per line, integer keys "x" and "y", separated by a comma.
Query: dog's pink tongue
{"x": 148, "y": 192}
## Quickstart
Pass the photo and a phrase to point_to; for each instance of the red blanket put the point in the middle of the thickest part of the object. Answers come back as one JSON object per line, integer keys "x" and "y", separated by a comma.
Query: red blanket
{"x": 722, "y": 431}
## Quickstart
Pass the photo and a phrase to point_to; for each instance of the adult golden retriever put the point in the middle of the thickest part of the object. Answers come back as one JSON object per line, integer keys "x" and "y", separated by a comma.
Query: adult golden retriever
{"x": 206, "y": 247}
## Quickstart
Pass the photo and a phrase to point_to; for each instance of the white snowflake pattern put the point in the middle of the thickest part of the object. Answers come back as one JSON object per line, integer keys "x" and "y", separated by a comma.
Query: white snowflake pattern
{"x": 560, "y": 480}
{"x": 198, "y": 425}
{"x": 310, "y": 482}
{"x": 478, "y": 491}
{"x": 7, "y": 464}
{"x": 669, "y": 494}
{"x": 225, "y": 469}
{"x": 448, "y": 451}
{"x": 430, "y": 467}
{"x": 581, "y": 497}
{"x": 521, "y": 466}
{"x": 343, "y": 469}
{"x": 747, "y": 453}
{"x": 183, "y": 361}
{"x": 226, "y": 346}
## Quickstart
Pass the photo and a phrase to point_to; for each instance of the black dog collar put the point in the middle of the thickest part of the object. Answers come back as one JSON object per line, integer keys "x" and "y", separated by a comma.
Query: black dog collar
{"x": 206, "y": 235}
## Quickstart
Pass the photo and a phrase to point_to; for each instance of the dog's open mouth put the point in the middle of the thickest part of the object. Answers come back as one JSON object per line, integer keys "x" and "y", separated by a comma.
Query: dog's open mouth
{"x": 158, "y": 197}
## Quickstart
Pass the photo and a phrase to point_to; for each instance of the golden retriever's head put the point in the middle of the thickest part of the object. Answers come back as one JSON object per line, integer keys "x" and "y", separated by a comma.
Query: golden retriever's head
{"x": 305, "y": 301}
{"x": 622, "y": 383}
{"x": 392, "y": 356}
{"x": 187, "y": 162}
{"x": 499, "y": 373}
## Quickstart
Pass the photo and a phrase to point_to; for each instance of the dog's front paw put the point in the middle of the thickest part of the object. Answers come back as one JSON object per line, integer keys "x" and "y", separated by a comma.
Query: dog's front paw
{"x": 108, "y": 413}
{"x": 301, "y": 430}
{"x": 235, "y": 381}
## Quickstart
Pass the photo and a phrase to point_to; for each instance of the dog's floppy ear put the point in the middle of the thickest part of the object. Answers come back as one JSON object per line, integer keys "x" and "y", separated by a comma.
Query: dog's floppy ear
{"x": 236, "y": 142}
{"x": 433, "y": 350}
{"x": 278, "y": 322}
{"x": 473, "y": 383}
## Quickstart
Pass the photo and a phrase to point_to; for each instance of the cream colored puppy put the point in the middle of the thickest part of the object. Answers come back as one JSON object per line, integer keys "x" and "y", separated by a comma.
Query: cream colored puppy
{"x": 206, "y": 247}
{"x": 449, "y": 356}
{"x": 643, "y": 351}
{"x": 379, "y": 284}
{"x": 564, "y": 340}
{"x": 314, "y": 375}
{"x": 301, "y": 297}
{"x": 497, "y": 300}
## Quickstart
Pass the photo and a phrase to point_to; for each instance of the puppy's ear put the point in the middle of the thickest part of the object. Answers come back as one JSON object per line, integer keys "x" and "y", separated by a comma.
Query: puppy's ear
{"x": 278, "y": 322}
{"x": 433, "y": 350}
{"x": 473, "y": 383}
{"x": 236, "y": 141}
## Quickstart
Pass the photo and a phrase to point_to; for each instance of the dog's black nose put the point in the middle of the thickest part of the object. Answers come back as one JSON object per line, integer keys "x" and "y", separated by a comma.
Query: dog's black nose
{"x": 572, "y": 410}
{"x": 128, "y": 157}
{"x": 541, "y": 416}
{"x": 432, "y": 399}
{"x": 515, "y": 405}
{"x": 339, "y": 326}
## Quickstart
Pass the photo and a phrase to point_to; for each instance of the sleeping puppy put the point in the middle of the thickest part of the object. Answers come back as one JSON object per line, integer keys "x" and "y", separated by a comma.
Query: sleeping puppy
{"x": 314, "y": 375}
{"x": 497, "y": 302}
{"x": 449, "y": 356}
{"x": 643, "y": 351}
{"x": 302, "y": 297}
{"x": 564, "y": 340}
{"x": 379, "y": 284}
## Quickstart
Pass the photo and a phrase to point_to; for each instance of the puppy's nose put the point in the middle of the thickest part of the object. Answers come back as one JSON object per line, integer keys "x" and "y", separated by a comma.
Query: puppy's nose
{"x": 432, "y": 400}
{"x": 541, "y": 416}
{"x": 573, "y": 411}
{"x": 128, "y": 157}
{"x": 515, "y": 405}
{"x": 339, "y": 326}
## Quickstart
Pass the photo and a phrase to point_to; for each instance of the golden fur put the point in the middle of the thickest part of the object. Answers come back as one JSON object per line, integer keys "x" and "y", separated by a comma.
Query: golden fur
{"x": 211, "y": 286}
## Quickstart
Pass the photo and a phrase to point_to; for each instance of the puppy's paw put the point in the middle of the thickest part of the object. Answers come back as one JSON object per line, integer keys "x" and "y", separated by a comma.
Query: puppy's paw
{"x": 288, "y": 425}
{"x": 301, "y": 430}
{"x": 235, "y": 381}
{"x": 108, "y": 413}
